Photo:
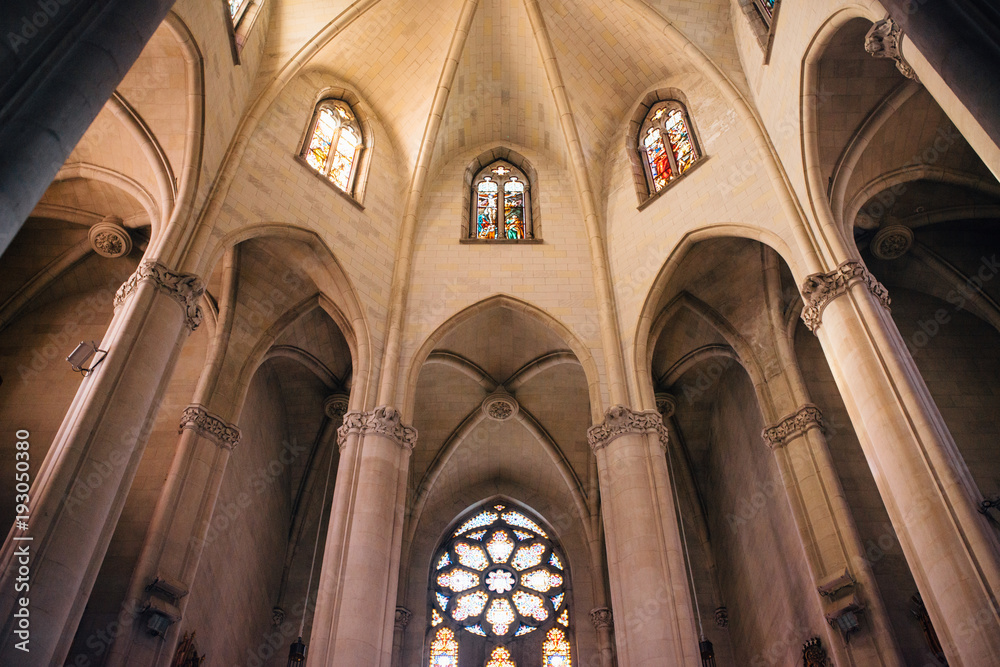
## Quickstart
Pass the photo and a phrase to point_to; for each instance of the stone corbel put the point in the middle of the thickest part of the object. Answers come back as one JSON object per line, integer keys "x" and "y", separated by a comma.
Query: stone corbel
{"x": 402, "y": 618}
{"x": 619, "y": 421}
{"x": 884, "y": 40}
{"x": 184, "y": 288}
{"x": 384, "y": 421}
{"x": 601, "y": 617}
{"x": 207, "y": 425}
{"x": 800, "y": 421}
{"x": 820, "y": 289}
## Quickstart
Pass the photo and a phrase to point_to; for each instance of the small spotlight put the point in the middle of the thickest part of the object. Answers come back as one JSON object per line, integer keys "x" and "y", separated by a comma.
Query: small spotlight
{"x": 82, "y": 354}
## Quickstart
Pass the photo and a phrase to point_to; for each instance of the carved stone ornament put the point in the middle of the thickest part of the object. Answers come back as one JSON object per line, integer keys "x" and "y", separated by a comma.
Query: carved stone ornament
{"x": 722, "y": 617}
{"x": 813, "y": 653}
{"x": 185, "y": 289}
{"x": 109, "y": 238}
{"x": 384, "y": 421}
{"x": 619, "y": 421}
{"x": 402, "y": 618}
{"x": 805, "y": 418}
{"x": 335, "y": 406}
{"x": 883, "y": 41}
{"x": 892, "y": 242}
{"x": 277, "y": 616}
{"x": 666, "y": 404}
{"x": 207, "y": 425}
{"x": 500, "y": 406}
{"x": 820, "y": 289}
{"x": 601, "y": 618}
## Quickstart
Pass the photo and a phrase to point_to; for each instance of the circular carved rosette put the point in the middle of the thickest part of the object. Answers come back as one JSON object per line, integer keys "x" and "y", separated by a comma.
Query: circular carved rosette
{"x": 892, "y": 242}
{"x": 335, "y": 406}
{"x": 109, "y": 239}
{"x": 666, "y": 404}
{"x": 500, "y": 406}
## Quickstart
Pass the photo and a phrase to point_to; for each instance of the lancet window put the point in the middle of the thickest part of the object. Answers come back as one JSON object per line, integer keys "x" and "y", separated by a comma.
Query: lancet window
{"x": 666, "y": 144}
{"x": 334, "y": 143}
{"x": 501, "y": 209}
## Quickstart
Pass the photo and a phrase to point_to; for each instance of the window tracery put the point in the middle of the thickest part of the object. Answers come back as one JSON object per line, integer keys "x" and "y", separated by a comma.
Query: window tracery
{"x": 500, "y": 201}
{"x": 499, "y": 576}
{"x": 666, "y": 144}
{"x": 444, "y": 649}
{"x": 334, "y": 143}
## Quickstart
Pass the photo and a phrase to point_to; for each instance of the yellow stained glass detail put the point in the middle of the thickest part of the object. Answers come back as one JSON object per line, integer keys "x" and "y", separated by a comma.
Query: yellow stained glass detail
{"x": 500, "y": 658}
{"x": 555, "y": 649}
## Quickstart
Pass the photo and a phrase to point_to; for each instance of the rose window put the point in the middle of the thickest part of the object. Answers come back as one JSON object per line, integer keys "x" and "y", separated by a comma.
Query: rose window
{"x": 499, "y": 576}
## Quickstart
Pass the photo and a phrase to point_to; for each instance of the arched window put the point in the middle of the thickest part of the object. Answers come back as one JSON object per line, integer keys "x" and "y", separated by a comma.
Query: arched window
{"x": 236, "y": 9}
{"x": 334, "y": 143}
{"x": 766, "y": 10}
{"x": 666, "y": 144}
{"x": 501, "y": 208}
{"x": 498, "y": 576}
{"x": 444, "y": 649}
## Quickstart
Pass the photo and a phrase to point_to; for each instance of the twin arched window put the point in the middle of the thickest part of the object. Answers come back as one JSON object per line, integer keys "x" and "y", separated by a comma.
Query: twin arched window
{"x": 666, "y": 144}
{"x": 499, "y": 577}
{"x": 334, "y": 143}
{"x": 500, "y": 203}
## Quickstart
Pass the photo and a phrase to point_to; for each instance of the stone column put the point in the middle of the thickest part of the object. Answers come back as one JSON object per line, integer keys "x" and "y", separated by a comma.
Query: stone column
{"x": 843, "y": 576}
{"x": 649, "y": 583}
{"x": 176, "y": 537}
{"x": 355, "y": 608}
{"x": 402, "y": 619}
{"x": 62, "y": 61}
{"x": 927, "y": 489}
{"x": 603, "y": 621}
{"x": 79, "y": 493}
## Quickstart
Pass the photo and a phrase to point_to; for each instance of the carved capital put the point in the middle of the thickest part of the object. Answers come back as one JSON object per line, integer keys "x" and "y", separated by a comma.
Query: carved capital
{"x": 619, "y": 421}
{"x": 402, "y": 618}
{"x": 883, "y": 41}
{"x": 335, "y": 406}
{"x": 185, "y": 289}
{"x": 207, "y": 425}
{"x": 800, "y": 421}
{"x": 820, "y": 289}
{"x": 601, "y": 617}
{"x": 384, "y": 421}
{"x": 813, "y": 653}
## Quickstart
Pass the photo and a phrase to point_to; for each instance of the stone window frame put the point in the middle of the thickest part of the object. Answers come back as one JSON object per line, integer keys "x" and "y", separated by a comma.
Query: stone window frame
{"x": 643, "y": 187}
{"x": 762, "y": 29}
{"x": 238, "y": 28}
{"x": 362, "y": 164}
{"x": 533, "y": 228}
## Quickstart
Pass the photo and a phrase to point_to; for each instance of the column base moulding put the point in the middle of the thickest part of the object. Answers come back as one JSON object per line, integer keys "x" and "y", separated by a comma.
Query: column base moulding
{"x": 384, "y": 421}
{"x": 184, "y": 288}
{"x": 619, "y": 421}
{"x": 807, "y": 417}
{"x": 820, "y": 289}
{"x": 196, "y": 418}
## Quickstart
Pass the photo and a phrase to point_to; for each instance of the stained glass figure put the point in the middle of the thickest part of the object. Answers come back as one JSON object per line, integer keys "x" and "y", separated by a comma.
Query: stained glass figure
{"x": 500, "y": 546}
{"x": 472, "y": 556}
{"x": 530, "y": 605}
{"x": 500, "y": 658}
{"x": 444, "y": 649}
{"x": 500, "y": 615}
{"x": 335, "y": 143}
{"x": 501, "y": 208}
{"x": 555, "y": 649}
{"x": 458, "y": 580}
{"x": 513, "y": 208}
{"x": 507, "y": 583}
{"x": 666, "y": 144}
{"x": 529, "y": 556}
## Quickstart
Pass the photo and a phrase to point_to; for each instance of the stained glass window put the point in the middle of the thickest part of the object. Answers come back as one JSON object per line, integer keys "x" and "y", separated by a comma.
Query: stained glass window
{"x": 555, "y": 649}
{"x": 666, "y": 144}
{"x": 500, "y": 658}
{"x": 236, "y": 9}
{"x": 335, "y": 143}
{"x": 506, "y": 584}
{"x": 444, "y": 649}
{"x": 766, "y": 10}
{"x": 501, "y": 208}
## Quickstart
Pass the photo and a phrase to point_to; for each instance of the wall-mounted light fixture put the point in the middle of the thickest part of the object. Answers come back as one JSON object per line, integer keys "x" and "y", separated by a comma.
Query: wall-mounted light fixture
{"x": 82, "y": 354}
